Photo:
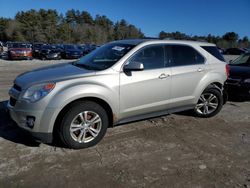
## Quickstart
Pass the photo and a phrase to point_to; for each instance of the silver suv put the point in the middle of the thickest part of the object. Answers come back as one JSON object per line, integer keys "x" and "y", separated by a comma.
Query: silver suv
{"x": 120, "y": 82}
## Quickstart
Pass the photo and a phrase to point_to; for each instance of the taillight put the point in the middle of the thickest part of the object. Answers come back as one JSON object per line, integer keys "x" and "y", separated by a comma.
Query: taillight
{"x": 227, "y": 70}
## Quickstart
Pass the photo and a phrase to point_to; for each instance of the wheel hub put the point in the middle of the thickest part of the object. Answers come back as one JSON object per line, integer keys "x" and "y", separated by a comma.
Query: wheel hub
{"x": 207, "y": 104}
{"x": 85, "y": 126}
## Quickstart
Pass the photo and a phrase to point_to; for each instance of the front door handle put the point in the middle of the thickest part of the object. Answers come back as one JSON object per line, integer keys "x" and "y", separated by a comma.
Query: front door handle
{"x": 162, "y": 76}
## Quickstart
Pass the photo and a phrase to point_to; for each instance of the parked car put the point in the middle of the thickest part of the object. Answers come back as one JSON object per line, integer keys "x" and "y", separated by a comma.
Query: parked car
{"x": 120, "y": 82}
{"x": 1, "y": 47}
{"x": 71, "y": 52}
{"x": 222, "y": 51}
{"x": 37, "y": 49}
{"x": 238, "y": 83}
{"x": 246, "y": 49}
{"x": 234, "y": 51}
{"x": 50, "y": 52}
{"x": 8, "y": 44}
{"x": 18, "y": 51}
{"x": 89, "y": 48}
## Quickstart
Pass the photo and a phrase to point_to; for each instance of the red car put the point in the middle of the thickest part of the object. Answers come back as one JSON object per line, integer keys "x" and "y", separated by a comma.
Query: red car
{"x": 20, "y": 51}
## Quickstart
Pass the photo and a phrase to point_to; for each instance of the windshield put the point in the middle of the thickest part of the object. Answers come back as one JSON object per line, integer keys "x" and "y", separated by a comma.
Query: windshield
{"x": 17, "y": 45}
{"x": 46, "y": 47}
{"x": 242, "y": 60}
{"x": 105, "y": 56}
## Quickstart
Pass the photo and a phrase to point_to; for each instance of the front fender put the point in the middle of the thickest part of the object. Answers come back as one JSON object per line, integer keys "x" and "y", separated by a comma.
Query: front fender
{"x": 65, "y": 96}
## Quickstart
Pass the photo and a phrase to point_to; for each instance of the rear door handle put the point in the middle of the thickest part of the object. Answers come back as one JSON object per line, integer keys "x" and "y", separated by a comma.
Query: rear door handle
{"x": 162, "y": 76}
{"x": 200, "y": 69}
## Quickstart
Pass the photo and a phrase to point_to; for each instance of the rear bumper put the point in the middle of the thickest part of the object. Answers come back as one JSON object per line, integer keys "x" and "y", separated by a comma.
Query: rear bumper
{"x": 240, "y": 89}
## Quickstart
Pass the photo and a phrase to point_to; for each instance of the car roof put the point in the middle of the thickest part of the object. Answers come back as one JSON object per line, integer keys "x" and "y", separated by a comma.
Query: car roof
{"x": 139, "y": 41}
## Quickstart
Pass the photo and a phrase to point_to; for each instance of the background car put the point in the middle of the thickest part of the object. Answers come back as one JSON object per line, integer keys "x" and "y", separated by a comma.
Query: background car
{"x": 71, "y": 52}
{"x": 19, "y": 51}
{"x": 87, "y": 48}
{"x": 50, "y": 52}
{"x": 234, "y": 51}
{"x": 222, "y": 51}
{"x": 36, "y": 49}
{"x": 1, "y": 47}
{"x": 238, "y": 83}
{"x": 246, "y": 49}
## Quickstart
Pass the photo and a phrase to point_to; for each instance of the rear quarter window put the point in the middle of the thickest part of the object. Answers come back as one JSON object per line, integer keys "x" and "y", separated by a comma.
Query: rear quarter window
{"x": 213, "y": 50}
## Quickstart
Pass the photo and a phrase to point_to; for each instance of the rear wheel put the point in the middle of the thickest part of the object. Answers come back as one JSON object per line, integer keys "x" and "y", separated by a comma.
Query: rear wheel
{"x": 84, "y": 125}
{"x": 209, "y": 103}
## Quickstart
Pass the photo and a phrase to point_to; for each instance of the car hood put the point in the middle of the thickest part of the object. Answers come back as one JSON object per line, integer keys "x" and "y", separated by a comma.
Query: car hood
{"x": 239, "y": 71}
{"x": 51, "y": 74}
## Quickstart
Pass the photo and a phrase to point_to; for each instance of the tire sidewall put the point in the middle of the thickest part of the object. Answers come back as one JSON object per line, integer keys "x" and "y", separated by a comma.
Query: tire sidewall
{"x": 72, "y": 113}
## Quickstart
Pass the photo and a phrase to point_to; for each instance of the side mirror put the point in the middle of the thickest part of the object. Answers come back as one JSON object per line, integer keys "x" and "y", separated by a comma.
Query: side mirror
{"x": 135, "y": 66}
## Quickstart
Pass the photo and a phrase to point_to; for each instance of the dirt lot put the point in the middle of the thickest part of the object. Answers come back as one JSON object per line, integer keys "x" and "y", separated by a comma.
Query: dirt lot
{"x": 171, "y": 151}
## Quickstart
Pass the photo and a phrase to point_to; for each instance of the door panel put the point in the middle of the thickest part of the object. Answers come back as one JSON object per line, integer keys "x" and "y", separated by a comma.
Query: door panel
{"x": 145, "y": 91}
{"x": 185, "y": 79}
{"x": 188, "y": 68}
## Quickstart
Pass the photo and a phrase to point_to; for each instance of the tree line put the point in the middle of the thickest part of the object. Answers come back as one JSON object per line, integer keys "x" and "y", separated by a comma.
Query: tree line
{"x": 76, "y": 26}
{"x": 228, "y": 40}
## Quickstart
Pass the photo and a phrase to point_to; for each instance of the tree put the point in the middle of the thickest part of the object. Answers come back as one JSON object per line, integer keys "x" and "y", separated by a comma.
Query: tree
{"x": 3, "y": 25}
{"x": 231, "y": 37}
{"x": 87, "y": 18}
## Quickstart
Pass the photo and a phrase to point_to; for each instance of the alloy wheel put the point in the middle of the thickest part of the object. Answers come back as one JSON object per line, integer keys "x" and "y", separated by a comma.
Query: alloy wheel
{"x": 85, "y": 127}
{"x": 207, "y": 104}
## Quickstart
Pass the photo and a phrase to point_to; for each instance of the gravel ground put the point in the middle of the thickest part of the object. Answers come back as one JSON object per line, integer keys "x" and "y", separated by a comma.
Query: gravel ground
{"x": 177, "y": 150}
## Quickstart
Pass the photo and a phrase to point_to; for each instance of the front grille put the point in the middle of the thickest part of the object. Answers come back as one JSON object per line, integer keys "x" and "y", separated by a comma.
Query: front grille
{"x": 16, "y": 87}
{"x": 12, "y": 101}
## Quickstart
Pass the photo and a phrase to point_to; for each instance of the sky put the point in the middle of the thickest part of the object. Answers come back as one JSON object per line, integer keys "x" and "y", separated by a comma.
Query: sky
{"x": 193, "y": 17}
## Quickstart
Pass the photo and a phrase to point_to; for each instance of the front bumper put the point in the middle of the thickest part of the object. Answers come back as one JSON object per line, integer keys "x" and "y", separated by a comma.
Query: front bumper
{"x": 40, "y": 131}
{"x": 52, "y": 56}
{"x": 20, "y": 57}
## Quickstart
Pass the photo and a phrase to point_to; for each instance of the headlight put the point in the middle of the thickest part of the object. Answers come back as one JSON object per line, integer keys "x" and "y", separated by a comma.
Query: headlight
{"x": 247, "y": 80}
{"x": 37, "y": 92}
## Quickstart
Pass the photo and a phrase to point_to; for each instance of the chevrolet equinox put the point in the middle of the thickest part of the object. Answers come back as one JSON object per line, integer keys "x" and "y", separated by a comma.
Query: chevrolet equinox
{"x": 120, "y": 82}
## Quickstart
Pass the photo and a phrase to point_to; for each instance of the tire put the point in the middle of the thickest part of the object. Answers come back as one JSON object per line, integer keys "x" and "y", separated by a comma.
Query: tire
{"x": 209, "y": 103}
{"x": 84, "y": 133}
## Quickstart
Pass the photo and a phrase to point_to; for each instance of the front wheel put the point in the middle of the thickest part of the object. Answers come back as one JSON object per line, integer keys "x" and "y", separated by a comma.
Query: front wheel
{"x": 84, "y": 125}
{"x": 209, "y": 103}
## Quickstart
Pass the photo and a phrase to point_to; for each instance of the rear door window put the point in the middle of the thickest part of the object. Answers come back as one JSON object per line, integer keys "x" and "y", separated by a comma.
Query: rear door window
{"x": 182, "y": 55}
{"x": 213, "y": 50}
